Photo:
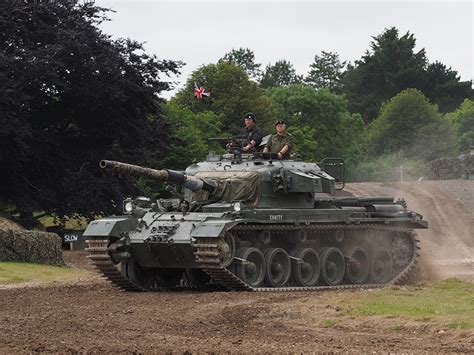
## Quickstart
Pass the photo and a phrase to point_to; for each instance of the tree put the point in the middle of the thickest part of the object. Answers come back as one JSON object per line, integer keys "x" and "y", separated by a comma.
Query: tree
{"x": 390, "y": 67}
{"x": 244, "y": 58}
{"x": 232, "y": 95}
{"x": 194, "y": 129}
{"x": 320, "y": 122}
{"x": 70, "y": 96}
{"x": 442, "y": 86}
{"x": 409, "y": 123}
{"x": 281, "y": 73}
{"x": 463, "y": 120}
{"x": 326, "y": 71}
{"x": 393, "y": 65}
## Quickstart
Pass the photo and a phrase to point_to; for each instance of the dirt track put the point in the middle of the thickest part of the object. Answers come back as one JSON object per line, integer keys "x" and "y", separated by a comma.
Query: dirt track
{"x": 92, "y": 316}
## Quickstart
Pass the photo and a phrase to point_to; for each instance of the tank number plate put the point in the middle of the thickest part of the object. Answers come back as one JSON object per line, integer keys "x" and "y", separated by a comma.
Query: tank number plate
{"x": 276, "y": 216}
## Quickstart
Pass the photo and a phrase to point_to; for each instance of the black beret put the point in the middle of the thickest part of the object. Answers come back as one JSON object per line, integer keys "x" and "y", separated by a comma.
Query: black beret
{"x": 279, "y": 122}
{"x": 250, "y": 116}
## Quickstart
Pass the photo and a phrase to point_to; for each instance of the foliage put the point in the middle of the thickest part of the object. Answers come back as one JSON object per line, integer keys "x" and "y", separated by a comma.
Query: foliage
{"x": 232, "y": 95}
{"x": 281, "y": 73}
{"x": 463, "y": 120}
{"x": 193, "y": 129}
{"x": 244, "y": 58}
{"x": 411, "y": 124}
{"x": 326, "y": 71}
{"x": 391, "y": 66}
{"x": 70, "y": 96}
{"x": 442, "y": 86}
{"x": 320, "y": 122}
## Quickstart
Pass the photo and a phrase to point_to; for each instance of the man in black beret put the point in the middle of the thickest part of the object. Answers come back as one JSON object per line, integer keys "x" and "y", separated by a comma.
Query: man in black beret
{"x": 251, "y": 134}
{"x": 280, "y": 142}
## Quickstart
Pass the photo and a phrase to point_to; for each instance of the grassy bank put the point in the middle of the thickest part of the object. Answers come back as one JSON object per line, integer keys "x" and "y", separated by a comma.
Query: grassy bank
{"x": 446, "y": 304}
{"x": 16, "y": 272}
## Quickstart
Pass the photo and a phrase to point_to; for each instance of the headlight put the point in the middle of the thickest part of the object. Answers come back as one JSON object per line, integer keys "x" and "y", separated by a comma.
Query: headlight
{"x": 237, "y": 206}
{"x": 128, "y": 206}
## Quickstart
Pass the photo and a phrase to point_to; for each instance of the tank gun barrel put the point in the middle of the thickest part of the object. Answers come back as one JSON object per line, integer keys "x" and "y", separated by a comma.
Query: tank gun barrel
{"x": 171, "y": 176}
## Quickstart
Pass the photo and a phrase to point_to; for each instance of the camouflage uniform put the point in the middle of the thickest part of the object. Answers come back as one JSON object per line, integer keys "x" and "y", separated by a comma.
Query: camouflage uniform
{"x": 276, "y": 143}
{"x": 252, "y": 134}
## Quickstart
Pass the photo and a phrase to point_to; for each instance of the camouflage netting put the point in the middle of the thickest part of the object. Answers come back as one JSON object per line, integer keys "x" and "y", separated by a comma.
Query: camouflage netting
{"x": 451, "y": 168}
{"x": 30, "y": 246}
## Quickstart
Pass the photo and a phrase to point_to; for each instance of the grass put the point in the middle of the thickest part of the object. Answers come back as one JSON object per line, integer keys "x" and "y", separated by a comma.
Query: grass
{"x": 329, "y": 323}
{"x": 18, "y": 272}
{"x": 449, "y": 303}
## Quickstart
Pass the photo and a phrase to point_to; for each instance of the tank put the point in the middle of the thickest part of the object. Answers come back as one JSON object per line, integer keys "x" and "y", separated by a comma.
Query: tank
{"x": 254, "y": 223}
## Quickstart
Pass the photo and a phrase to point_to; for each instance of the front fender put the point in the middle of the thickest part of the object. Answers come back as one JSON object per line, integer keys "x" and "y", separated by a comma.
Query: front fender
{"x": 111, "y": 226}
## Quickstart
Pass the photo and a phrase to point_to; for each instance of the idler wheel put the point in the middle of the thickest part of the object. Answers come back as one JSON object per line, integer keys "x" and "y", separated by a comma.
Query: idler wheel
{"x": 381, "y": 266}
{"x": 306, "y": 270}
{"x": 138, "y": 275}
{"x": 332, "y": 266}
{"x": 251, "y": 267}
{"x": 277, "y": 267}
{"x": 226, "y": 247}
{"x": 357, "y": 266}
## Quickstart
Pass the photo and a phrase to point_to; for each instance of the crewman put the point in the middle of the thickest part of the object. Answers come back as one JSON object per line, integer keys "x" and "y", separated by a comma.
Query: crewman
{"x": 281, "y": 142}
{"x": 251, "y": 134}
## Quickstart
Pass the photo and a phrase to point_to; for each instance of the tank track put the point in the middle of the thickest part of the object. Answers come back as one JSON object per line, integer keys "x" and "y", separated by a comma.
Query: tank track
{"x": 222, "y": 278}
{"x": 207, "y": 258}
{"x": 100, "y": 258}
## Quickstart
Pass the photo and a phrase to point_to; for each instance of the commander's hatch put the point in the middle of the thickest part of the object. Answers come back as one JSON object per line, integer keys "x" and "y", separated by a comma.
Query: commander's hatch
{"x": 336, "y": 168}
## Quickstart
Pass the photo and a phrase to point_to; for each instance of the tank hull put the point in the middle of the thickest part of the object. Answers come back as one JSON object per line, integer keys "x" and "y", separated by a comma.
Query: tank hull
{"x": 258, "y": 249}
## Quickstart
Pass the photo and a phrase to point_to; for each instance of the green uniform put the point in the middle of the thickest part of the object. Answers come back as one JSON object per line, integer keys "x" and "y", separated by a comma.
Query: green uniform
{"x": 276, "y": 143}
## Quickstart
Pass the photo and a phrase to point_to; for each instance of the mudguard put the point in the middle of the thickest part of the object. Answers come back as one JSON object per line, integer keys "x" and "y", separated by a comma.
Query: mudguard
{"x": 111, "y": 226}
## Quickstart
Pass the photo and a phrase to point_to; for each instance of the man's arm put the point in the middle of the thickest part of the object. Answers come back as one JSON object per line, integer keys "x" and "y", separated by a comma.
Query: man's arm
{"x": 286, "y": 147}
{"x": 268, "y": 146}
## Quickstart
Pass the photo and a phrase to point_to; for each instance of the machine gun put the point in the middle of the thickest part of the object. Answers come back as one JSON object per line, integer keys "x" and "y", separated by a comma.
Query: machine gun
{"x": 233, "y": 144}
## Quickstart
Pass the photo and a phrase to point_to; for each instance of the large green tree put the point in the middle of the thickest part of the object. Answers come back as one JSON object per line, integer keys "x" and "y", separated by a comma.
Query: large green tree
{"x": 194, "y": 129}
{"x": 282, "y": 73}
{"x": 320, "y": 122}
{"x": 410, "y": 124}
{"x": 70, "y": 96}
{"x": 232, "y": 95}
{"x": 244, "y": 58}
{"x": 463, "y": 120}
{"x": 392, "y": 65}
{"x": 326, "y": 71}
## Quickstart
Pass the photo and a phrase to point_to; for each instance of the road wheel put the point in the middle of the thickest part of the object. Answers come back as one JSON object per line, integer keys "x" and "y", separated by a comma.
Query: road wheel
{"x": 332, "y": 266}
{"x": 381, "y": 266}
{"x": 306, "y": 270}
{"x": 138, "y": 275}
{"x": 251, "y": 267}
{"x": 277, "y": 267}
{"x": 357, "y": 265}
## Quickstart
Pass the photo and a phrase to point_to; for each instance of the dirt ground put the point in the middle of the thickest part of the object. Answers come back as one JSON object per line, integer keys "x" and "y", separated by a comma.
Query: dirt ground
{"x": 91, "y": 316}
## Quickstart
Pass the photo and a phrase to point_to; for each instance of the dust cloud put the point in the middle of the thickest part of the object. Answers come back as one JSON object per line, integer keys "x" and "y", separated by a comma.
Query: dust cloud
{"x": 447, "y": 247}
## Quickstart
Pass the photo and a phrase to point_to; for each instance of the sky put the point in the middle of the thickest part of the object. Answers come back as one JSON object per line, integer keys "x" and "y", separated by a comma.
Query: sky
{"x": 199, "y": 32}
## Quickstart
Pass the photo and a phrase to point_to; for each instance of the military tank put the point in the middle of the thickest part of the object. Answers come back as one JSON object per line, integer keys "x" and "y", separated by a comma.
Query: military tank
{"x": 251, "y": 222}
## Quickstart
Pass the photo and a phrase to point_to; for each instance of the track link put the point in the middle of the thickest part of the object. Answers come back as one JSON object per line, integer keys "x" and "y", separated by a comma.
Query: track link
{"x": 207, "y": 249}
{"x": 100, "y": 258}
